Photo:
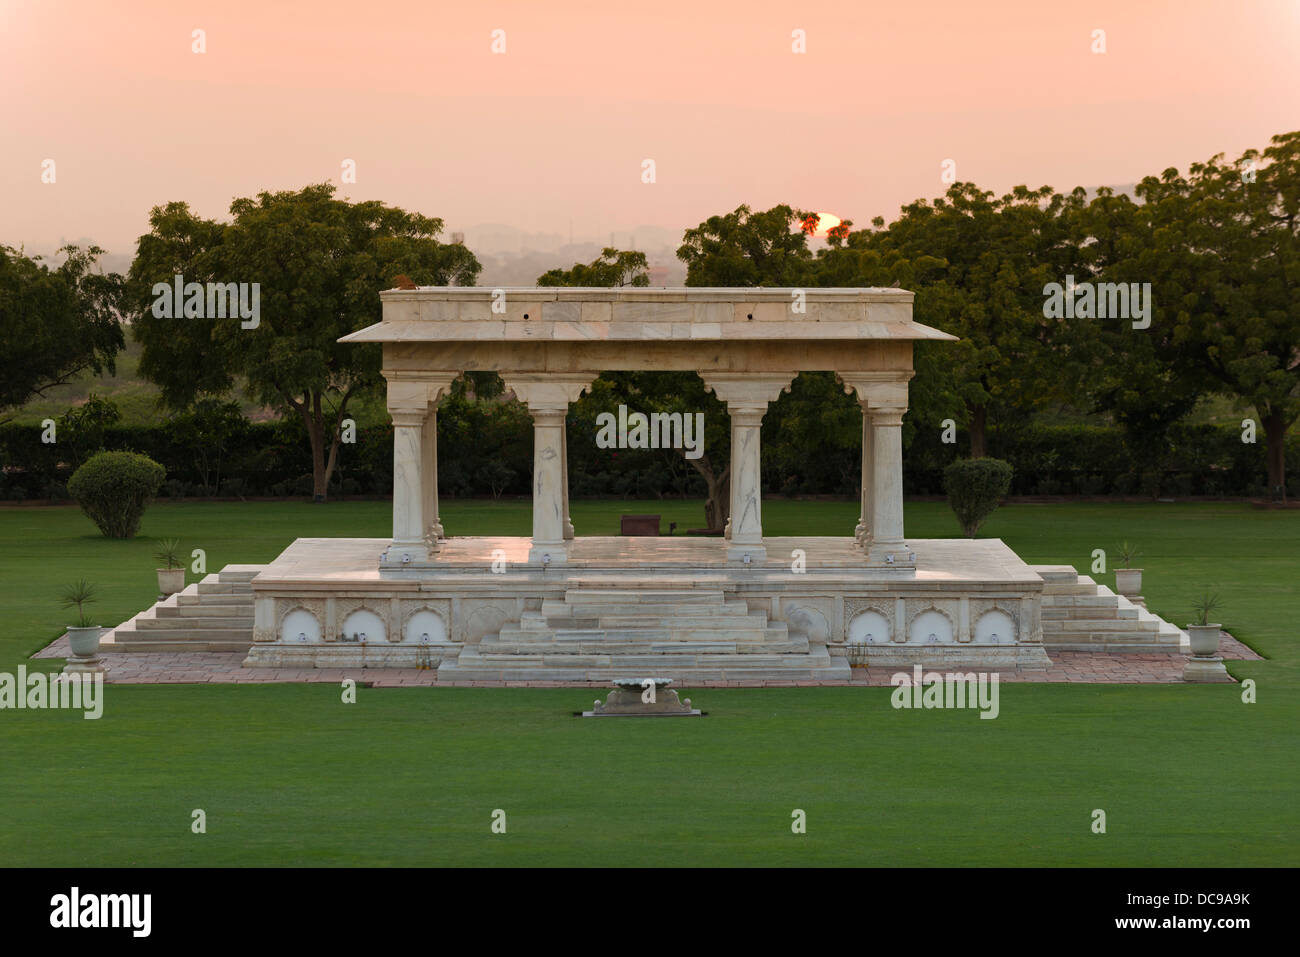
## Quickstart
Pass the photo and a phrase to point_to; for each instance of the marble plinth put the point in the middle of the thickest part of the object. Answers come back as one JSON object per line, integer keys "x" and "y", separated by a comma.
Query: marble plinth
{"x": 677, "y": 606}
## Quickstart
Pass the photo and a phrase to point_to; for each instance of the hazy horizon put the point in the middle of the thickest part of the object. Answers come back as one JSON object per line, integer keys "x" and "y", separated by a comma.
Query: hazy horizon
{"x": 551, "y": 135}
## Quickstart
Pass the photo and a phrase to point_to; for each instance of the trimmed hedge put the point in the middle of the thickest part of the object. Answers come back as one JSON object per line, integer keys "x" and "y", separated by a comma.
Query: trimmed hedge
{"x": 114, "y": 489}
{"x": 485, "y": 449}
{"x": 975, "y": 487}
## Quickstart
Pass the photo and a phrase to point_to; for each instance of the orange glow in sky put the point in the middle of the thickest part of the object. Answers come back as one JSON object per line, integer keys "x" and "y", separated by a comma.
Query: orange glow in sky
{"x": 553, "y": 132}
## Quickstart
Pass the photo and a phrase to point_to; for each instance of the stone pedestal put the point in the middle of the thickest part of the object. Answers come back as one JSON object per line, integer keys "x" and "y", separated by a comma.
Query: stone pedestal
{"x": 627, "y": 700}
{"x": 1205, "y": 669}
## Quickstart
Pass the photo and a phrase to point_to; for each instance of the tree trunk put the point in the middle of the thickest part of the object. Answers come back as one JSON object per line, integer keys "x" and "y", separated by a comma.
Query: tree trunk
{"x": 1275, "y": 436}
{"x": 978, "y": 420}
{"x": 717, "y": 506}
{"x": 316, "y": 433}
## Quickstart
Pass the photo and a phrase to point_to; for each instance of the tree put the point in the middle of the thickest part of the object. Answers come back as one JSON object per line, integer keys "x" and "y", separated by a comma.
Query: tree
{"x": 81, "y": 428}
{"x": 1221, "y": 247}
{"x": 56, "y": 323}
{"x": 613, "y": 267}
{"x": 978, "y": 264}
{"x": 1138, "y": 376}
{"x": 744, "y": 248}
{"x": 320, "y": 263}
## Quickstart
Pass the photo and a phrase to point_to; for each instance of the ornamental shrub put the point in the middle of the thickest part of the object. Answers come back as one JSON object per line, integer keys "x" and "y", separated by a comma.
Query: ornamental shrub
{"x": 114, "y": 489}
{"x": 974, "y": 487}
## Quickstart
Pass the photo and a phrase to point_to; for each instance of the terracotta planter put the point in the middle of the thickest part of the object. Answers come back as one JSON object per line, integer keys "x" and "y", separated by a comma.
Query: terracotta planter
{"x": 84, "y": 641}
{"x": 1204, "y": 640}
{"x": 1128, "y": 581}
{"x": 171, "y": 580}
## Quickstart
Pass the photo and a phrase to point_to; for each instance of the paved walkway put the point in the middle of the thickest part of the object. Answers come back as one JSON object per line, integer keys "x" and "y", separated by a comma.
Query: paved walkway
{"x": 1076, "y": 667}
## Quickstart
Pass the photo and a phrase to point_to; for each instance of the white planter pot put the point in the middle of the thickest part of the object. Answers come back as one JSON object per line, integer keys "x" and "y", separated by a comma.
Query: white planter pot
{"x": 84, "y": 641}
{"x": 1128, "y": 581}
{"x": 171, "y": 580}
{"x": 1204, "y": 639}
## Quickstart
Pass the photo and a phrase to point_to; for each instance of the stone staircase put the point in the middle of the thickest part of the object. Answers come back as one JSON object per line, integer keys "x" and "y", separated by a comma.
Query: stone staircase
{"x": 1080, "y": 615}
{"x": 215, "y": 614}
{"x": 597, "y": 633}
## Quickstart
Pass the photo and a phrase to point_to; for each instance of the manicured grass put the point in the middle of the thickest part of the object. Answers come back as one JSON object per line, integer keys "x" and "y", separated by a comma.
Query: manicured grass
{"x": 287, "y": 774}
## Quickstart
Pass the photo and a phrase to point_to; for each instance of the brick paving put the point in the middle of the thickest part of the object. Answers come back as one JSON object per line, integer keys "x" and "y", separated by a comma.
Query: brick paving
{"x": 1075, "y": 667}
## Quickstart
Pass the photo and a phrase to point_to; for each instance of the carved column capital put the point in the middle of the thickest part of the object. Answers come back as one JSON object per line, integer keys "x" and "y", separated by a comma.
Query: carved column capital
{"x": 418, "y": 392}
{"x": 548, "y": 393}
{"x": 747, "y": 392}
{"x": 878, "y": 389}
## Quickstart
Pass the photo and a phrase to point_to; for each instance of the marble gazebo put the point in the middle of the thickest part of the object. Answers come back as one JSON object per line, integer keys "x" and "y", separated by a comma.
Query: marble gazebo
{"x": 562, "y": 606}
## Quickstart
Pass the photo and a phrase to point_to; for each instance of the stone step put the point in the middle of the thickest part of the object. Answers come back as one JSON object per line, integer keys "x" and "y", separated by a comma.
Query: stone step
{"x": 622, "y": 647}
{"x": 218, "y": 610}
{"x": 756, "y": 620}
{"x": 1068, "y": 625}
{"x": 239, "y": 573}
{"x": 558, "y": 609}
{"x": 680, "y": 668}
{"x": 210, "y": 586}
{"x": 1057, "y": 574}
{"x": 624, "y": 596}
{"x": 667, "y": 631}
{"x": 194, "y": 625}
{"x": 207, "y": 645}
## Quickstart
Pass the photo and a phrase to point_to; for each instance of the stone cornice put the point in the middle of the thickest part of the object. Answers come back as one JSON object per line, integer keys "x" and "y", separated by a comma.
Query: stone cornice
{"x": 576, "y": 314}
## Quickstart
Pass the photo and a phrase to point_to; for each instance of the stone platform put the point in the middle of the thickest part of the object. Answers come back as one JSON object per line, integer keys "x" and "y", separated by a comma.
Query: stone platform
{"x": 807, "y": 609}
{"x": 623, "y": 607}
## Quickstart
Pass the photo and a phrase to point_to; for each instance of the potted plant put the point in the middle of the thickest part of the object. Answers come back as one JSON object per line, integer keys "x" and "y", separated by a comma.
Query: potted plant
{"x": 171, "y": 576}
{"x": 1202, "y": 634}
{"x": 1128, "y": 580}
{"x": 83, "y": 636}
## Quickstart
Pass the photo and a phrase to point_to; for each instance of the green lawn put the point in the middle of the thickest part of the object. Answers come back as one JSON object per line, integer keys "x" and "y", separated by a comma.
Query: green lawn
{"x": 287, "y": 774}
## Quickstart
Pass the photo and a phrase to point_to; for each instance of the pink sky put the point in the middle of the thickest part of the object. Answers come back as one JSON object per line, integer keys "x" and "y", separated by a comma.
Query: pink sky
{"x": 556, "y": 128}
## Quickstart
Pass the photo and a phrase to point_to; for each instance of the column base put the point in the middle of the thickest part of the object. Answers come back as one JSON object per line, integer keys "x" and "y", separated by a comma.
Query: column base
{"x": 556, "y": 552}
{"x": 891, "y": 556}
{"x": 407, "y": 554}
{"x": 737, "y": 552}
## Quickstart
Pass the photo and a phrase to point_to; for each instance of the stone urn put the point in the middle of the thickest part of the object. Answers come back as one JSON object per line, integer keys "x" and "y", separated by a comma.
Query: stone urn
{"x": 1204, "y": 640}
{"x": 171, "y": 580}
{"x": 85, "y": 650}
{"x": 1128, "y": 581}
{"x": 84, "y": 641}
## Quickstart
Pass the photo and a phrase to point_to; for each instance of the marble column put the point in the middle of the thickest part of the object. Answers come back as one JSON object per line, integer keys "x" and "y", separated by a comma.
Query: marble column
{"x": 408, "y": 496}
{"x": 412, "y": 399}
{"x": 883, "y": 397}
{"x": 429, "y": 477}
{"x": 548, "y": 398}
{"x": 887, "y": 483}
{"x": 747, "y": 396}
{"x": 862, "y": 534}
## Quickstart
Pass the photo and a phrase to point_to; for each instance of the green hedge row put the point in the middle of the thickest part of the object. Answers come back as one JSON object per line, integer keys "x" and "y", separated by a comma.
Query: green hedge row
{"x": 485, "y": 449}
